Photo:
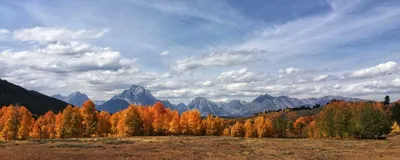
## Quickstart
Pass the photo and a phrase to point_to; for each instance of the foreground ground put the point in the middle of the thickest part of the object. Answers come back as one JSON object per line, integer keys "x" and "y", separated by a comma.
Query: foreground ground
{"x": 200, "y": 148}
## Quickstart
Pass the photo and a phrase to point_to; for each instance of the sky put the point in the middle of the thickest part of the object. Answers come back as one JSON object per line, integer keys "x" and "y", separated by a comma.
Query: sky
{"x": 222, "y": 50}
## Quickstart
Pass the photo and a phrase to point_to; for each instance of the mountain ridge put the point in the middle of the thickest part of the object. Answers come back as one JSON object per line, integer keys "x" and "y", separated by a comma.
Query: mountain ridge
{"x": 235, "y": 108}
{"x": 76, "y": 98}
{"x": 35, "y": 102}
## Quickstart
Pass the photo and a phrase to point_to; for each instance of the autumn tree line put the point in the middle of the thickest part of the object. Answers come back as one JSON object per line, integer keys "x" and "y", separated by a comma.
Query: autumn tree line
{"x": 336, "y": 120}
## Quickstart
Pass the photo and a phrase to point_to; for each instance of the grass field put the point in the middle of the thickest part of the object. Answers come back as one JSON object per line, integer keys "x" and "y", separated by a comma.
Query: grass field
{"x": 189, "y": 147}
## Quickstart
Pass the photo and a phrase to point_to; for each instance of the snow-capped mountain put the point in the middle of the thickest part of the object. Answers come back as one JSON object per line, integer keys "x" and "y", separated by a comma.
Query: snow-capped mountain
{"x": 134, "y": 95}
{"x": 137, "y": 95}
{"x": 234, "y": 107}
{"x": 77, "y": 98}
{"x": 206, "y": 107}
{"x": 324, "y": 100}
{"x": 267, "y": 102}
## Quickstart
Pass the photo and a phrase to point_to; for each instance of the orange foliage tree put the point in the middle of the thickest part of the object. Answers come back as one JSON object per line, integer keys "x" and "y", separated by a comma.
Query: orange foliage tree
{"x": 89, "y": 119}
{"x": 174, "y": 125}
{"x": 194, "y": 122}
{"x": 71, "y": 123}
{"x": 104, "y": 124}
{"x": 130, "y": 122}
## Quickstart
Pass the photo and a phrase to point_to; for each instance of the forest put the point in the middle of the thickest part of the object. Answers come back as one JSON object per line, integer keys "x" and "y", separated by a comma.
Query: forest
{"x": 338, "y": 119}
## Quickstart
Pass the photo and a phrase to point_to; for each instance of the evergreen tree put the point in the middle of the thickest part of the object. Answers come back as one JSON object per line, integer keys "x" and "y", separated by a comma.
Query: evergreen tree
{"x": 280, "y": 127}
{"x": 387, "y": 100}
{"x": 395, "y": 110}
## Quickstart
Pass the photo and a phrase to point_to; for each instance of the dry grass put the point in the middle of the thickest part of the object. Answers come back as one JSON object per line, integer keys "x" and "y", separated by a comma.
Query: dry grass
{"x": 188, "y": 147}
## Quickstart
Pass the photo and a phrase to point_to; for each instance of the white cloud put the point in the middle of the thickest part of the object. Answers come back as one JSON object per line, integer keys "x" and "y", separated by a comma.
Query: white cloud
{"x": 373, "y": 87}
{"x": 241, "y": 75}
{"x": 165, "y": 53}
{"x": 323, "y": 78}
{"x": 220, "y": 59}
{"x": 379, "y": 70}
{"x": 4, "y": 33}
{"x": 318, "y": 33}
{"x": 320, "y": 78}
{"x": 226, "y": 100}
{"x": 65, "y": 60}
{"x": 70, "y": 48}
{"x": 289, "y": 70}
{"x": 167, "y": 85}
{"x": 68, "y": 64}
{"x": 54, "y": 34}
{"x": 208, "y": 83}
{"x": 236, "y": 86}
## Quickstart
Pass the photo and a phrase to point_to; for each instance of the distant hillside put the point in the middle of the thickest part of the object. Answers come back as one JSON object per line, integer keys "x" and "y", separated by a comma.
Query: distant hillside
{"x": 113, "y": 105}
{"x": 34, "y": 101}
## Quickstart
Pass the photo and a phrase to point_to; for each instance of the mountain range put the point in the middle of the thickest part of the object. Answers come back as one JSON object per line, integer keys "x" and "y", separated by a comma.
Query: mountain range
{"x": 39, "y": 104}
{"x": 235, "y": 108}
{"x": 77, "y": 98}
{"x": 133, "y": 95}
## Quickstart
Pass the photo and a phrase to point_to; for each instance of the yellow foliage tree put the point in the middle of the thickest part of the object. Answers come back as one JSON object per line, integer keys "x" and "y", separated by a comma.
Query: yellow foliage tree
{"x": 71, "y": 125}
{"x": 89, "y": 119}
{"x": 395, "y": 129}
{"x": 226, "y": 132}
{"x": 184, "y": 122}
{"x": 194, "y": 122}
{"x": 210, "y": 126}
{"x": 237, "y": 130}
{"x": 248, "y": 127}
{"x": 174, "y": 126}
{"x": 259, "y": 126}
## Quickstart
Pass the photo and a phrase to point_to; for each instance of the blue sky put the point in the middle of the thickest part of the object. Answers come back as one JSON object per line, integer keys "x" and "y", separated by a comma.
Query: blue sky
{"x": 222, "y": 50}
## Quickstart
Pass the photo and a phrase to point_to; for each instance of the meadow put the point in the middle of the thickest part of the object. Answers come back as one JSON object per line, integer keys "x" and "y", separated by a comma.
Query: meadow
{"x": 200, "y": 147}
